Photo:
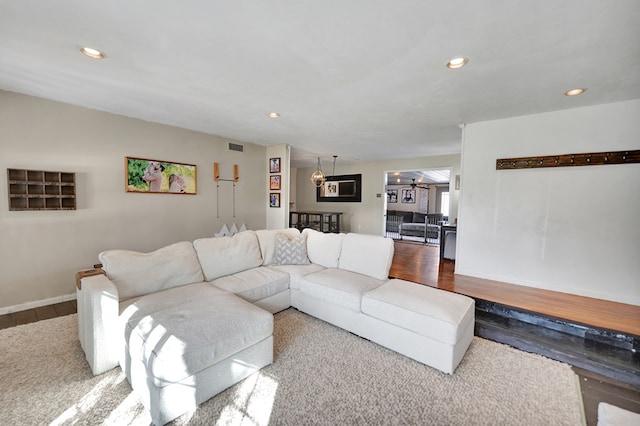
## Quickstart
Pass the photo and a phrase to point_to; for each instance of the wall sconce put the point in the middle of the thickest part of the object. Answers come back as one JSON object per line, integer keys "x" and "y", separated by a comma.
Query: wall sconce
{"x": 318, "y": 177}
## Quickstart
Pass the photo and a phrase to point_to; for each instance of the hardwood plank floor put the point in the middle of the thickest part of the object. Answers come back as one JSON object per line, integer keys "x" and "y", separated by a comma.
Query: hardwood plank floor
{"x": 421, "y": 263}
{"x": 38, "y": 314}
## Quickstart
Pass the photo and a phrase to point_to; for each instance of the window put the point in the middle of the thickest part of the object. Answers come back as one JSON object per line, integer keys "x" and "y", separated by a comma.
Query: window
{"x": 444, "y": 203}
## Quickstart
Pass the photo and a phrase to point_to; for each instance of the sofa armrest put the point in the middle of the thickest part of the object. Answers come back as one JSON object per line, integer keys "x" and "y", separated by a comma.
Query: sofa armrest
{"x": 97, "y": 299}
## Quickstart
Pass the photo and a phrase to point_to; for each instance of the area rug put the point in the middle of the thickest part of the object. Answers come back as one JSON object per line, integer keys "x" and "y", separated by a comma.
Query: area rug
{"x": 321, "y": 375}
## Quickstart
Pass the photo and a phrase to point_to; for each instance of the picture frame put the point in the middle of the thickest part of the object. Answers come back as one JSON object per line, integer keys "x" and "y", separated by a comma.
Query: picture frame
{"x": 275, "y": 182}
{"x": 408, "y": 196}
{"x": 159, "y": 177}
{"x": 274, "y": 165}
{"x": 340, "y": 188}
{"x": 392, "y": 195}
{"x": 274, "y": 199}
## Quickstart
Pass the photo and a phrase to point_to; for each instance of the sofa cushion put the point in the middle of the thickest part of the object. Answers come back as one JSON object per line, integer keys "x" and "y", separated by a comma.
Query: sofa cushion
{"x": 296, "y": 272}
{"x": 267, "y": 241}
{"x": 413, "y": 229}
{"x": 181, "y": 331}
{"x": 254, "y": 284}
{"x": 136, "y": 274}
{"x": 323, "y": 249}
{"x": 291, "y": 250}
{"x": 437, "y": 314}
{"x": 367, "y": 254}
{"x": 220, "y": 256}
{"x": 339, "y": 287}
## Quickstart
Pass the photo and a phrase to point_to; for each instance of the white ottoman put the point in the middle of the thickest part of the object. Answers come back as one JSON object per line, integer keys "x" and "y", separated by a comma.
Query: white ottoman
{"x": 186, "y": 344}
{"x": 429, "y": 325}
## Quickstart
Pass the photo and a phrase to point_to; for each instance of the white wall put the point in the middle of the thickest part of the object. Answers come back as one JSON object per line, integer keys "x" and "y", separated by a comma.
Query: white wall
{"x": 422, "y": 200}
{"x": 572, "y": 229}
{"x": 40, "y": 251}
{"x": 367, "y": 217}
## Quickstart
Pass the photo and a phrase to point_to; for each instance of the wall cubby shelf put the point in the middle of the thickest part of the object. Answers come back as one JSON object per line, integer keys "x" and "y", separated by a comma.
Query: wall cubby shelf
{"x": 41, "y": 190}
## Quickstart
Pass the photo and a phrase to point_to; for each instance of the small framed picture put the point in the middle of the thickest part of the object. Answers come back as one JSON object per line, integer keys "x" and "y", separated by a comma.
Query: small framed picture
{"x": 274, "y": 199}
{"x": 409, "y": 196}
{"x": 274, "y": 165}
{"x": 392, "y": 195}
{"x": 274, "y": 182}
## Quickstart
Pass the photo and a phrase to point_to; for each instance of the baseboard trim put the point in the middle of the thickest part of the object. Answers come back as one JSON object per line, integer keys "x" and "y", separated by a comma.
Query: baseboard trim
{"x": 37, "y": 304}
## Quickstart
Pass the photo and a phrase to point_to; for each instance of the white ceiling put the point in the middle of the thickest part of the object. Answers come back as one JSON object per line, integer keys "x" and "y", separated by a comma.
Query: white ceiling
{"x": 361, "y": 79}
{"x": 425, "y": 177}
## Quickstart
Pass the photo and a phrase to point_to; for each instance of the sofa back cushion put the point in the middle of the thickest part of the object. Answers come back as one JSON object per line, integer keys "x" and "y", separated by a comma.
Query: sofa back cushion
{"x": 418, "y": 217}
{"x": 407, "y": 217}
{"x": 367, "y": 254}
{"x": 323, "y": 249}
{"x": 136, "y": 274}
{"x": 221, "y": 256}
{"x": 267, "y": 240}
{"x": 434, "y": 218}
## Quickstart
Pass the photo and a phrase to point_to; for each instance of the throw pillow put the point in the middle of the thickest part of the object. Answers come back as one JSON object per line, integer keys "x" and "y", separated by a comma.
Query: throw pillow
{"x": 291, "y": 250}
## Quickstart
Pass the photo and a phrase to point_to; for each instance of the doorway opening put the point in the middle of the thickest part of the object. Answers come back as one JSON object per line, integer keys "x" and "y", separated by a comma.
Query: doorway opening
{"x": 417, "y": 203}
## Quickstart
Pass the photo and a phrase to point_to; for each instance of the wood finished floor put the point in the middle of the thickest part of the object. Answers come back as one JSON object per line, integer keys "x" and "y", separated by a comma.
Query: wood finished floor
{"x": 38, "y": 314}
{"x": 421, "y": 263}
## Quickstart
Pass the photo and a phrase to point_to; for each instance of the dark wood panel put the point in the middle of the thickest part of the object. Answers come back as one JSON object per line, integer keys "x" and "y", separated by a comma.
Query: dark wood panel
{"x": 569, "y": 160}
{"x": 25, "y": 317}
{"x": 46, "y": 312}
{"x": 66, "y": 308}
{"x": 7, "y": 321}
{"x": 596, "y": 389}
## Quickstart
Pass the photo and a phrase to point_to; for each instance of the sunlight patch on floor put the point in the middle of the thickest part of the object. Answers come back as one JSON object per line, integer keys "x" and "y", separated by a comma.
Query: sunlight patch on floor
{"x": 129, "y": 412}
{"x": 88, "y": 401}
{"x": 253, "y": 402}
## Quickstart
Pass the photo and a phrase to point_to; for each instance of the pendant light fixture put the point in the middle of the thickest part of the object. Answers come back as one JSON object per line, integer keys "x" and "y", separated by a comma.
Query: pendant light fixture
{"x": 318, "y": 177}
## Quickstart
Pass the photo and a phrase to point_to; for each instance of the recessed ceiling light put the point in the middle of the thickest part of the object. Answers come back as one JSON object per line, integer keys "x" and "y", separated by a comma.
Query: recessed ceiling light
{"x": 575, "y": 92}
{"x": 274, "y": 115}
{"x": 92, "y": 53}
{"x": 457, "y": 63}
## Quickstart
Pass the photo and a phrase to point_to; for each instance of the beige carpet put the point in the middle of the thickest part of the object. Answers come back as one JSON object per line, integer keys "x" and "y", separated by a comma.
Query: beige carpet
{"x": 321, "y": 375}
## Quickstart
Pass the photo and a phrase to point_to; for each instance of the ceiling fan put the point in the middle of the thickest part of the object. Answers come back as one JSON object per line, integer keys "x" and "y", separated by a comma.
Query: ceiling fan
{"x": 414, "y": 185}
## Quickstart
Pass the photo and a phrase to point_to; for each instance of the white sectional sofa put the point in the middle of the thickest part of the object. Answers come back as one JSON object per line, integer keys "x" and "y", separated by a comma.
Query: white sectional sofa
{"x": 193, "y": 318}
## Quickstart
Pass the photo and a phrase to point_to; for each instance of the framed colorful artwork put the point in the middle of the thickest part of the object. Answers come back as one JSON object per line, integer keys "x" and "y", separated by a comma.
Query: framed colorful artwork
{"x": 274, "y": 199}
{"x": 156, "y": 176}
{"x": 274, "y": 165}
{"x": 274, "y": 182}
